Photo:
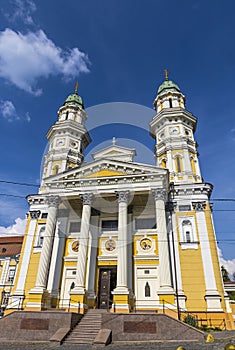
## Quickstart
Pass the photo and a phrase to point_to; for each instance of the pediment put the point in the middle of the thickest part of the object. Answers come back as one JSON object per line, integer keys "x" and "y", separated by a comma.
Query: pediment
{"x": 104, "y": 171}
{"x": 115, "y": 152}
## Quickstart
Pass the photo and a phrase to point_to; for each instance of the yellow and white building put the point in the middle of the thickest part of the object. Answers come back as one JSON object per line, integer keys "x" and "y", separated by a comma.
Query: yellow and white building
{"x": 121, "y": 235}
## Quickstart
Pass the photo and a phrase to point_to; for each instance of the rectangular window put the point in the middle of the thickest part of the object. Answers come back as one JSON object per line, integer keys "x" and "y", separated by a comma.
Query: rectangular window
{"x": 44, "y": 215}
{"x": 185, "y": 207}
{"x": 74, "y": 226}
{"x": 109, "y": 225}
{"x": 145, "y": 224}
{"x": 188, "y": 239}
{"x": 11, "y": 275}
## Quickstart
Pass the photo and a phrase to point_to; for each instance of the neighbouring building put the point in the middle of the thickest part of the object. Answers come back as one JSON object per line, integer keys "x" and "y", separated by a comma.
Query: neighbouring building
{"x": 10, "y": 247}
{"x": 121, "y": 235}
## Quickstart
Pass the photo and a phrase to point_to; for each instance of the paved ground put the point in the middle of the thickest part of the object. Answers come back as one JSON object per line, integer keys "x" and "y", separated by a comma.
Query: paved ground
{"x": 221, "y": 338}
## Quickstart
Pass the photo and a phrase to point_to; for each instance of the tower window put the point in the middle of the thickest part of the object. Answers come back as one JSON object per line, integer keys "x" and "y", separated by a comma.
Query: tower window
{"x": 188, "y": 238}
{"x": 164, "y": 163}
{"x": 170, "y": 102}
{"x": 187, "y": 231}
{"x": 147, "y": 290}
{"x": 67, "y": 115}
{"x": 178, "y": 165}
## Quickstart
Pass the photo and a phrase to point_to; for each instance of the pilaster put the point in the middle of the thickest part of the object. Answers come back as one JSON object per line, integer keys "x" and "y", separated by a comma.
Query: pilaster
{"x": 212, "y": 297}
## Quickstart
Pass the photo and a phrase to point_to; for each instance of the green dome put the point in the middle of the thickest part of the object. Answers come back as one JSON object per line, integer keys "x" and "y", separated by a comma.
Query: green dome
{"x": 74, "y": 99}
{"x": 168, "y": 85}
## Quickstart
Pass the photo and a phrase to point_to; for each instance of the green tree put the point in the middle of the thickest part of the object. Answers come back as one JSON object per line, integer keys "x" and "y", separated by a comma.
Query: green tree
{"x": 225, "y": 274}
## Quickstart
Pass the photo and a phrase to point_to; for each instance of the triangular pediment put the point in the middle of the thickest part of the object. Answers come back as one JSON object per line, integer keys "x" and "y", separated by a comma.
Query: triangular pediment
{"x": 115, "y": 152}
{"x": 104, "y": 171}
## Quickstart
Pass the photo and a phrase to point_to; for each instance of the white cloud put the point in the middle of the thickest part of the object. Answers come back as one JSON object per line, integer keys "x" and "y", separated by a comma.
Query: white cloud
{"x": 17, "y": 228}
{"x": 21, "y": 10}
{"x": 228, "y": 264}
{"x": 26, "y": 58}
{"x": 8, "y": 111}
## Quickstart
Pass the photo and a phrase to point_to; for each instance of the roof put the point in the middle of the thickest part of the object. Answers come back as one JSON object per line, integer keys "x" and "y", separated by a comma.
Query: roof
{"x": 74, "y": 99}
{"x": 168, "y": 85}
{"x": 10, "y": 245}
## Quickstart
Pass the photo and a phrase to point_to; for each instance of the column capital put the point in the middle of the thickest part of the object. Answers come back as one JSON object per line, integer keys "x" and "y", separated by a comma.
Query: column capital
{"x": 87, "y": 198}
{"x": 159, "y": 194}
{"x": 199, "y": 206}
{"x": 34, "y": 214}
{"x": 53, "y": 201}
{"x": 123, "y": 196}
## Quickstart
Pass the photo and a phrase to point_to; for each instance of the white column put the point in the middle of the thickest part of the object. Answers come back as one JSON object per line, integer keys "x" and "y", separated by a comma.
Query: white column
{"x": 83, "y": 243}
{"x": 93, "y": 255}
{"x": 212, "y": 296}
{"x": 57, "y": 253}
{"x": 34, "y": 214}
{"x": 129, "y": 251}
{"x": 164, "y": 257}
{"x": 43, "y": 268}
{"x": 122, "y": 264}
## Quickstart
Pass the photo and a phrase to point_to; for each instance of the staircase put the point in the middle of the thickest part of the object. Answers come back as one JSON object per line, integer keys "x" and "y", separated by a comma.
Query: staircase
{"x": 87, "y": 329}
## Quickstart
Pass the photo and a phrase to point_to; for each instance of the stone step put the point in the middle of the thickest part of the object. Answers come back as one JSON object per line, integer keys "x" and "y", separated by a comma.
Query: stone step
{"x": 87, "y": 329}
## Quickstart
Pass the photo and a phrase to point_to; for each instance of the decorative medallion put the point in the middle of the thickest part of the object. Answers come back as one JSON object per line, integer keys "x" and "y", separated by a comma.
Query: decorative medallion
{"x": 110, "y": 245}
{"x": 146, "y": 244}
{"x": 75, "y": 246}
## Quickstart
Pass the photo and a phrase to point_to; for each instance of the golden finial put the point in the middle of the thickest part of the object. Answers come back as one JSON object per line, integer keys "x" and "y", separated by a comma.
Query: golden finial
{"x": 166, "y": 71}
{"x": 76, "y": 88}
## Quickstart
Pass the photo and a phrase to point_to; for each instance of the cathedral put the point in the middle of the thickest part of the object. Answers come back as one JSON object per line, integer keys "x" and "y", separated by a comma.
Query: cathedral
{"x": 119, "y": 235}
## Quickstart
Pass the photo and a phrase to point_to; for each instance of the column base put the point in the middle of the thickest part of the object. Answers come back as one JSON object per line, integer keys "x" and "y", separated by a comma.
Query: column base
{"x": 38, "y": 299}
{"x": 91, "y": 300}
{"x": 121, "y": 300}
{"x": 78, "y": 300}
{"x": 166, "y": 295}
{"x": 213, "y": 301}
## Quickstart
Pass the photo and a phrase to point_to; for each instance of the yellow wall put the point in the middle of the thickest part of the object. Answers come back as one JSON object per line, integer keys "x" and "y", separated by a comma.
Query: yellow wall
{"x": 192, "y": 273}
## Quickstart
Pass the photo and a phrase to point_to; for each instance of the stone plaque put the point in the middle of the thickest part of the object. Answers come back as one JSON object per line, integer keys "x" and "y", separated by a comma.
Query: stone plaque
{"x": 34, "y": 324}
{"x": 139, "y": 327}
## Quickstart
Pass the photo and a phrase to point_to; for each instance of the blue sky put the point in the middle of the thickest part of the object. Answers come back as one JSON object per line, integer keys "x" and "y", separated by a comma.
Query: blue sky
{"x": 117, "y": 51}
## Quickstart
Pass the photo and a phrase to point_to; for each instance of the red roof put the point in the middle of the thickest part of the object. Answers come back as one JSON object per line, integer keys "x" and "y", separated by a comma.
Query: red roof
{"x": 10, "y": 245}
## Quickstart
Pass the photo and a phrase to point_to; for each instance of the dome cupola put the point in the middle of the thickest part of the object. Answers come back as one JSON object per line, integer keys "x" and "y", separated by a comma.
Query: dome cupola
{"x": 168, "y": 95}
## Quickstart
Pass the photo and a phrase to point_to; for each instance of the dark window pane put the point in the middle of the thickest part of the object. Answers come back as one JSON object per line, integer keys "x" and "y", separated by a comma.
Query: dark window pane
{"x": 75, "y": 226}
{"x": 109, "y": 225}
{"x": 143, "y": 224}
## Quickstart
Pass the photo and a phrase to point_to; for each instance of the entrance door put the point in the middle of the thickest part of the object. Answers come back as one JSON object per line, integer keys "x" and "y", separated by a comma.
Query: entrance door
{"x": 107, "y": 283}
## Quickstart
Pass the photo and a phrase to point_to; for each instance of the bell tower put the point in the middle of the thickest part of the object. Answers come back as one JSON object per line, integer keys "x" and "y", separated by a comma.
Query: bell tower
{"x": 173, "y": 128}
{"x": 68, "y": 137}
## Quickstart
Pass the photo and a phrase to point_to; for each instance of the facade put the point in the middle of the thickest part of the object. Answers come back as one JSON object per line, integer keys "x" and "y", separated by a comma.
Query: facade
{"x": 10, "y": 248}
{"x": 120, "y": 235}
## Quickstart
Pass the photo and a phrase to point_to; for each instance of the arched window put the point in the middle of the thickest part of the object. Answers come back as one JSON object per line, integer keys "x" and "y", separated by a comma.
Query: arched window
{"x": 178, "y": 164}
{"x": 187, "y": 231}
{"x": 147, "y": 289}
{"x": 41, "y": 236}
{"x": 170, "y": 102}
{"x": 163, "y": 162}
{"x": 55, "y": 170}
{"x": 67, "y": 115}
